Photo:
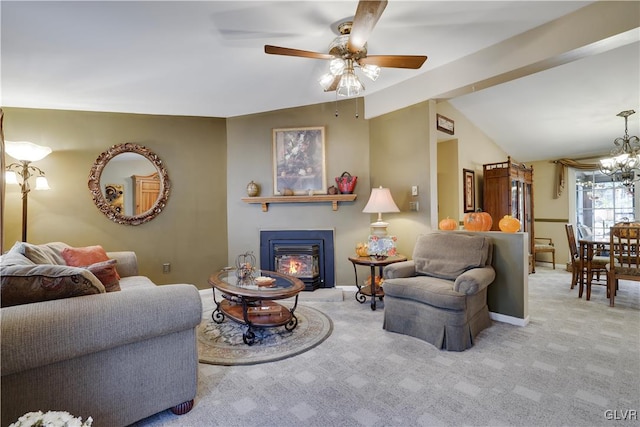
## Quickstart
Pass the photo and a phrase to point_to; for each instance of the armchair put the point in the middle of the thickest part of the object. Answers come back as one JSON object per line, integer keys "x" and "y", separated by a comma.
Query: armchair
{"x": 544, "y": 244}
{"x": 440, "y": 296}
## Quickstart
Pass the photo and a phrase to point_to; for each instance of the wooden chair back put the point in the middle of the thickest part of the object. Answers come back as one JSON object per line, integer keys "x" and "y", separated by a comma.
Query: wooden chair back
{"x": 624, "y": 257}
{"x": 571, "y": 237}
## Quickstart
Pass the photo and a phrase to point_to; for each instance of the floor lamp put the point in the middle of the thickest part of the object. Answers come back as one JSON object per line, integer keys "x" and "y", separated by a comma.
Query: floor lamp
{"x": 25, "y": 152}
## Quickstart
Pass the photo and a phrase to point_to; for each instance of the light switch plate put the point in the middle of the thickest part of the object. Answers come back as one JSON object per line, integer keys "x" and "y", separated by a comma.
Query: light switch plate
{"x": 414, "y": 190}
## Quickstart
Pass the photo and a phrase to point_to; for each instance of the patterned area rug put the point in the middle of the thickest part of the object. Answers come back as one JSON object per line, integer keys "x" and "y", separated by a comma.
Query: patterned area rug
{"x": 222, "y": 344}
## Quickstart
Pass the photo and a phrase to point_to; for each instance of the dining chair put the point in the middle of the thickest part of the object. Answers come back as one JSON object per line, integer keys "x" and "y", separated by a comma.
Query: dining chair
{"x": 624, "y": 258}
{"x": 578, "y": 269}
{"x": 544, "y": 244}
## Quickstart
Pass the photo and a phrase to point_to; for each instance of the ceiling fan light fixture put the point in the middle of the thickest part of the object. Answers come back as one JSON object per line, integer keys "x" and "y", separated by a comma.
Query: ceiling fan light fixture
{"x": 371, "y": 71}
{"x": 349, "y": 84}
{"x": 337, "y": 66}
{"x": 326, "y": 80}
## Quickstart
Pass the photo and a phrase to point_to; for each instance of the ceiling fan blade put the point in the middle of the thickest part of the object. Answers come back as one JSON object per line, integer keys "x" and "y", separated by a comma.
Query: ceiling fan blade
{"x": 366, "y": 17}
{"x": 276, "y": 50}
{"x": 395, "y": 61}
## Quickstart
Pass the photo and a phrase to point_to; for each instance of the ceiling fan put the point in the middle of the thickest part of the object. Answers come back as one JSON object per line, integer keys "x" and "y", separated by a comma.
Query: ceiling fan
{"x": 349, "y": 51}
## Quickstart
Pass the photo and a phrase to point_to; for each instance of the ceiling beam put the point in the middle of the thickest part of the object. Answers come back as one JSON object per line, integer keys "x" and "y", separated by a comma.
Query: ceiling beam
{"x": 591, "y": 30}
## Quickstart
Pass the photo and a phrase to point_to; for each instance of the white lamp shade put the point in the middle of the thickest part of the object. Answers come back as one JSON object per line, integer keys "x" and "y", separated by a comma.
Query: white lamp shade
{"x": 380, "y": 201}
{"x": 326, "y": 80}
{"x": 25, "y": 150}
{"x": 10, "y": 177}
{"x": 371, "y": 71}
{"x": 42, "y": 183}
{"x": 349, "y": 85}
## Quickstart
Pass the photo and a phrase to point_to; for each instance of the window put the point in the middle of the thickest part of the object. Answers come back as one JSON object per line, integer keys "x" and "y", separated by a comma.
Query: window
{"x": 601, "y": 202}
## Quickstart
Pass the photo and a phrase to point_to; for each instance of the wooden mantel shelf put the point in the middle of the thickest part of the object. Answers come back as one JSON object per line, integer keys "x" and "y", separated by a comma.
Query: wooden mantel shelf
{"x": 320, "y": 198}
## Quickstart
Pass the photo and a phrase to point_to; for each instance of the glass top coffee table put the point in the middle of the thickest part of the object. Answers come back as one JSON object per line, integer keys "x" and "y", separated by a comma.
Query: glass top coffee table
{"x": 251, "y": 300}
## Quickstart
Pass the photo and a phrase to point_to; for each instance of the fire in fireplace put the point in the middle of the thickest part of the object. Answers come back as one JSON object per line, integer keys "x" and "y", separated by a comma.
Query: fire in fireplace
{"x": 301, "y": 261}
{"x": 305, "y": 254}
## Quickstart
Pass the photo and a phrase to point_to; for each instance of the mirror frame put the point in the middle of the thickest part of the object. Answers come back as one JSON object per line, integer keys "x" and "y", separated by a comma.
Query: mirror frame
{"x": 109, "y": 210}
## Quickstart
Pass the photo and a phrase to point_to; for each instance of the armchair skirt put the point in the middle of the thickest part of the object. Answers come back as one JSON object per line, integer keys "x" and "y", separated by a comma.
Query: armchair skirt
{"x": 450, "y": 329}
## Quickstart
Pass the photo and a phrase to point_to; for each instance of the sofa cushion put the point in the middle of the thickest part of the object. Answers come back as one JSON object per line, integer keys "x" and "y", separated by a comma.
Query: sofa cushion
{"x": 447, "y": 255}
{"x": 24, "y": 284}
{"x": 427, "y": 290}
{"x": 48, "y": 253}
{"x": 106, "y": 272}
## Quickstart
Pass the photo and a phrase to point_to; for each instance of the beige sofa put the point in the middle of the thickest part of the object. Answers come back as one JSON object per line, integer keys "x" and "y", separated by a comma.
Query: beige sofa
{"x": 440, "y": 295}
{"x": 117, "y": 357}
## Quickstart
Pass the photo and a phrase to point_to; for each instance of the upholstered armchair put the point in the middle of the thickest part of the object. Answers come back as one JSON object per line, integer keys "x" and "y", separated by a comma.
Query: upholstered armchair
{"x": 440, "y": 296}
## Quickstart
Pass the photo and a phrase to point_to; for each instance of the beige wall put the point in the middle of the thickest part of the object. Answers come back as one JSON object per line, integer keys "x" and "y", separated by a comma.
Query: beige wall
{"x": 249, "y": 157}
{"x": 400, "y": 158}
{"x": 449, "y": 180}
{"x": 551, "y": 214}
{"x": 474, "y": 149}
{"x": 211, "y": 161}
{"x": 190, "y": 233}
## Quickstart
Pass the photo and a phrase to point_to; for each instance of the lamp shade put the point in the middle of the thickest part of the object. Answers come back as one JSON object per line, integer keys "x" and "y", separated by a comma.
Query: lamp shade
{"x": 26, "y": 151}
{"x": 380, "y": 201}
{"x": 42, "y": 183}
{"x": 10, "y": 177}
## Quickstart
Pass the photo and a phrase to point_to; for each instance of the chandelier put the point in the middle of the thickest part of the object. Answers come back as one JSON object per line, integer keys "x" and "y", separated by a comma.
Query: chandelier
{"x": 625, "y": 157}
{"x": 342, "y": 76}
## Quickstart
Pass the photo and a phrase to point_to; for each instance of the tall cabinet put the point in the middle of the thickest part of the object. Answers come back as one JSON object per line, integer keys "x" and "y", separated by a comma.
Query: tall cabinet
{"x": 508, "y": 190}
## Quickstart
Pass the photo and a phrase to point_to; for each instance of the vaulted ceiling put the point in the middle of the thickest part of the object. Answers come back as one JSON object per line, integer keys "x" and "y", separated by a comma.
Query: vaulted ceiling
{"x": 542, "y": 79}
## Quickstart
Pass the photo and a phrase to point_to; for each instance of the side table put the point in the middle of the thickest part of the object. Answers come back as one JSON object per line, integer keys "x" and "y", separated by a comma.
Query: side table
{"x": 372, "y": 290}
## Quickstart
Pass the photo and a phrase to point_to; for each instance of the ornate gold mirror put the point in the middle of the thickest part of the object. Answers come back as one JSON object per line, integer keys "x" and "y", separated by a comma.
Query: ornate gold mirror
{"x": 129, "y": 184}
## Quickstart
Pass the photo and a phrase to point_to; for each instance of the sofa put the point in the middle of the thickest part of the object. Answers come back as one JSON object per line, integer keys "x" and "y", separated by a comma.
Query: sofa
{"x": 440, "y": 295}
{"x": 117, "y": 356}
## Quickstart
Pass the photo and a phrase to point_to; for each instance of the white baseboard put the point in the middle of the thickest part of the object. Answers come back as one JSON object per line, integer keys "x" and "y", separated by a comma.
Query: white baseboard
{"x": 509, "y": 319}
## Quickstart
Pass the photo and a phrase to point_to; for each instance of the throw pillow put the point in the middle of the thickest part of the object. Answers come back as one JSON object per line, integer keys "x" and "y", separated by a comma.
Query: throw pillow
{"x": 48, "y": 253}
{"x": 81, "y": 257}
{"x": 24, "y": 284}
{"x": 14, "y": 258}
{"x": 106, "y": 272}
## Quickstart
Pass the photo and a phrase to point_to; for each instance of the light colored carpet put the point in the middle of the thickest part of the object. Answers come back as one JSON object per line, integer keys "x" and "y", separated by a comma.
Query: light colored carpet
{"x": 222, "y": 343}
{"x": 574, "y": 362}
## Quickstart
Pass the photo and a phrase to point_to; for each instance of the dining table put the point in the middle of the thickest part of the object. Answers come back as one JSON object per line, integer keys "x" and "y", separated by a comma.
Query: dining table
{"x": 588, "y": 246}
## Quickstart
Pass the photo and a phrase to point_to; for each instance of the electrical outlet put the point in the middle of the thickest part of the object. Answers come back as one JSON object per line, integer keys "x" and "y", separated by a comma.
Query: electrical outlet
{"x": 414, "y": 190}
{"x": 166, "y": 267}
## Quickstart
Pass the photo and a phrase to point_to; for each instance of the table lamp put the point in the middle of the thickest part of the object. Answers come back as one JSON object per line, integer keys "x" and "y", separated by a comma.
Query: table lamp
{"x": 380, "y": 245}
{"x": 380, "y": 202}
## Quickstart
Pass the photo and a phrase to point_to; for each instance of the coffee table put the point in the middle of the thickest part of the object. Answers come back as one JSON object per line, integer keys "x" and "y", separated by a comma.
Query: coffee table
{"x": 245, "y": 302}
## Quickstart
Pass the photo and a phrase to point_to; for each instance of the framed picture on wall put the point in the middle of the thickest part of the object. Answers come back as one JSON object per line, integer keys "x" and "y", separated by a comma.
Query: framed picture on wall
{"x": 469, "y": 188}
{"x": 445, "y": 124}
{"x": 299, "y": 161}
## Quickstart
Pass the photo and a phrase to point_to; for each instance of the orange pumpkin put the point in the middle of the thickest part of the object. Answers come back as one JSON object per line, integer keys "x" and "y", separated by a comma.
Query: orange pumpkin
{"x": 448, "y": 224}
{"x": 509, "y": 224}
{"x": 477, "y": 221}
{"x": 362, "y": 249}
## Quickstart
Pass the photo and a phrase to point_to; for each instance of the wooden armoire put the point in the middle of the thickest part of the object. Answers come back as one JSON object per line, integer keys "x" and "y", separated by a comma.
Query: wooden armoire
{"x": 508, "y": 190}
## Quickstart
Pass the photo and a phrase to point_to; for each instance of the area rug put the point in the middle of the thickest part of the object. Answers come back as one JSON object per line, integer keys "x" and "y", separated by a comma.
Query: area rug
{"x": 221, "y": 344}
